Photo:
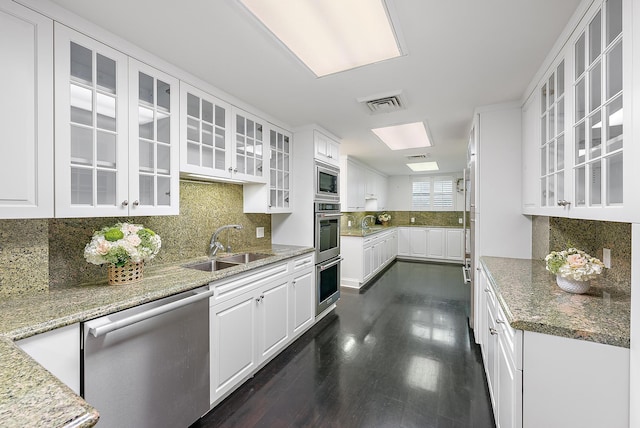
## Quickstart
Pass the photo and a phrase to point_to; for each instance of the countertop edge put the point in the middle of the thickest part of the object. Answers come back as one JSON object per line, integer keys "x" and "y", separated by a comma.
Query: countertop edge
{"x": 520, "y": 323}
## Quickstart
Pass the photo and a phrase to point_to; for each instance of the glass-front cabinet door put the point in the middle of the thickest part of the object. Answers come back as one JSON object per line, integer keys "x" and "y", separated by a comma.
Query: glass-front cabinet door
{"x": 598, "y": 120}
{"x": 552, "y": 138}
{"x": 153, "y": 141}
{"x": 249, "y": 141}
{"x": 205, "y": 127}
{"x": 279, "y": 169}
{"x": 91, "y": 127}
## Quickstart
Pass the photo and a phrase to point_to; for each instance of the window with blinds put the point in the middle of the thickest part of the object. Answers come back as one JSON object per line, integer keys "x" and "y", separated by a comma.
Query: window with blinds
{"x": 421, "y": 195}
{"x": 432, "y": 193}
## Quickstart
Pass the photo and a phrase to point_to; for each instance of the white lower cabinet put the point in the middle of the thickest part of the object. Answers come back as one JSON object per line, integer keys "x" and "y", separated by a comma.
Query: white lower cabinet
{"x": 302, "y": 305}
{"x": 58, "y": 351}
{"x": 540, "y": 380}
{"x": 364, "y": 257}
{"x": 431, "y": 243}
{"x": 273, "y": 318}
{"x": 254, "y": 317}
{"x": 232, "y": 343}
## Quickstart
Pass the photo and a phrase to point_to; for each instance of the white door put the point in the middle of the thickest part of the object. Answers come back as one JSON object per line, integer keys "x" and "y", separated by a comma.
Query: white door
{"x": 303, "y": 301}
{"x": 455, "y": 244}
{"x": 233, "y": 354}
{"x": 154, "y": 149}
{"x": 26, "y": 106}
{"x": 418, "y": 238}
{"x": 91, "y": 141}
{"x": 273, "y": 333}
{"x": 436, "y": 243}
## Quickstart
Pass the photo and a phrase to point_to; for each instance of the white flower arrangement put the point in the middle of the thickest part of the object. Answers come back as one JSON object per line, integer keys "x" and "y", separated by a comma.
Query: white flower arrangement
{"x": 384, "y": 217}
{"x": 122, "y": 243}
{"x": 573, "y": 264}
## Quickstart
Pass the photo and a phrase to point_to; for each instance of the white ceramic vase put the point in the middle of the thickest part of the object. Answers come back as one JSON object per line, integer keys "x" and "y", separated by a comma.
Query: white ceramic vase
{"x": 572, "y": 286}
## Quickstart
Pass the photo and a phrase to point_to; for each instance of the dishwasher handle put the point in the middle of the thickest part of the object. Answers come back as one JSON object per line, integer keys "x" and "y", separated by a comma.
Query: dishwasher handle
{"x": 116, "y": 325}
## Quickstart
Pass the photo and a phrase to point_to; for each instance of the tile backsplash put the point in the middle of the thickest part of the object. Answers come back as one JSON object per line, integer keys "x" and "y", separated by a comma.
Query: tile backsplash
{"x": 37, "y": 254}
{"x": 554, "y": 234}
{"x": 403, "y": 218}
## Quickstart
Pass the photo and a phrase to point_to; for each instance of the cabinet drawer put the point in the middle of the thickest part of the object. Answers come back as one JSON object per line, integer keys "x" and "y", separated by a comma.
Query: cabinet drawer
{"x": 227, "y": 289}
{"x": 301, "y": 263}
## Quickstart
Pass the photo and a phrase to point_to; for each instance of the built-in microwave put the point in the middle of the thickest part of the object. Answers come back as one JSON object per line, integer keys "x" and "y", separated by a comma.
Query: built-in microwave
{"x": 326, "y": 183}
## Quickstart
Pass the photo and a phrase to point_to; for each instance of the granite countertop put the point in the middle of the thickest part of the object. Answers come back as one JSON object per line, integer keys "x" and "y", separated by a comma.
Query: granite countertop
{"x": 359, "y": 232}
{"x": 532, "y": 301}
{"x": 31, "y": 396}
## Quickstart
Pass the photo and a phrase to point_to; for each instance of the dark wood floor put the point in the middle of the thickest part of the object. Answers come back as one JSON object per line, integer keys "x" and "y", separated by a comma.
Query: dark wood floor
{"x": 397, "y": 355}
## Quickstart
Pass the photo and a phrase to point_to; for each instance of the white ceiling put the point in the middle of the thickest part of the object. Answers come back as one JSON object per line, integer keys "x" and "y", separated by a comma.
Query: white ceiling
{"x": 460, "y": 54}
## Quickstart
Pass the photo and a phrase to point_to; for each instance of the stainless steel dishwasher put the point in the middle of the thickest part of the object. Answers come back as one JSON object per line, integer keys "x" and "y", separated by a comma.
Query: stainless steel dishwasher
{"x": 148, "y": 366}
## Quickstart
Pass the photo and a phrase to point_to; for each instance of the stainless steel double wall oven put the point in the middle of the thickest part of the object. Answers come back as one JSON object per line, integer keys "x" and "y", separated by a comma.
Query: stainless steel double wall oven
{"x": 327, "y": 236}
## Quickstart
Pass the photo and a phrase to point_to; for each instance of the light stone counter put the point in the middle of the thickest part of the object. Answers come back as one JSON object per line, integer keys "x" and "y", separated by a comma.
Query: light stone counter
{"x": 532, "y": 301}
{"x": 31, "y": 396}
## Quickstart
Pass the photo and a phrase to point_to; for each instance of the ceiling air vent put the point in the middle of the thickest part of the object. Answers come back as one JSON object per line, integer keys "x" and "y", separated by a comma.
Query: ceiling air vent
{"x": 383, "y": 103}
{"x": 418, "y": 157}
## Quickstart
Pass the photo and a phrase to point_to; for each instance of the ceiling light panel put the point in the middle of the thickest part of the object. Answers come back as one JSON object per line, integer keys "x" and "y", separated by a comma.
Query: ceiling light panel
{"x": 423, "y": 166}
{"x": 330, "y": 35}
{"x": 406, "y": 136}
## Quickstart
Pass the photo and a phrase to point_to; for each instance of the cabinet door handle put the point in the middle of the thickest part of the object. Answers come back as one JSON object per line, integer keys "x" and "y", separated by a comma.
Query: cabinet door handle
{"x": 493, "y": 331}
{"x": 136, "y": 203}
{"x": 125, "y": 203}
{"x": 260, "y": 299}
{"x": 230, "y": 169}
{"x": 563, "y": 203}
{"x": 499, "y": 321}
{"x": 486, "y": 290}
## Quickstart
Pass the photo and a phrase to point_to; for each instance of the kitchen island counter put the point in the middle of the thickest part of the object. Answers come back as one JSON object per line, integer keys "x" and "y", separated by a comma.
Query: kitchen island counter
{"x": 31, "y": 396}
{"x": 532, "y": 301}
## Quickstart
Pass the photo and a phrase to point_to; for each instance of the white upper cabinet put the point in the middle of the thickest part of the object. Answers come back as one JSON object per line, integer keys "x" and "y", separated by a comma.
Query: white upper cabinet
{"x": 249, "y": 137}
{"x": 326, "y": 149}
{"x": 26, "y": 135}
{"x": 205, "y": 134}
{"x": 116, "y": 149}
{"x": 583, "y": 131}
{"x": 275, "y": 196}
{"x": 153, "y": 141}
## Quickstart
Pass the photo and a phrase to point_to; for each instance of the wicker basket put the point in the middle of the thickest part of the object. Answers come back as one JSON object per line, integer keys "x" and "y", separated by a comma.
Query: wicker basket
{"x": 127, "y": 274}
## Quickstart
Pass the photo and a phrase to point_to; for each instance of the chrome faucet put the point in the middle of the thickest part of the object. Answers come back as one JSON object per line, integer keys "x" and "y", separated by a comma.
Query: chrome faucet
{"x": 216, "y": 245}
{"x": 364, "y": 224}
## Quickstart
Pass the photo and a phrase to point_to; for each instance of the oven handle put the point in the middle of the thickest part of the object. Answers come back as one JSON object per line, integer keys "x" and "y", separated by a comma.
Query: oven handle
{"x": 328, "y": 265}
{"x": 330, "y": 215}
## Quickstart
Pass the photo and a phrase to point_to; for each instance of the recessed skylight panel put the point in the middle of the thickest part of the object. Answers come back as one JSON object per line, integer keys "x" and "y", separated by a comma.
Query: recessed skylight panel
{"x": 330, "y": 35}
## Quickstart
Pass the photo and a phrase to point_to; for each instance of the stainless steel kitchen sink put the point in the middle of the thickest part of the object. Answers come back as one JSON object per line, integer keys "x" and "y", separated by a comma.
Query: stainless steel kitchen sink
{"x": 227, "y": 262}
{"x": 244, "y": 257}
{"x": 211, "y": 265}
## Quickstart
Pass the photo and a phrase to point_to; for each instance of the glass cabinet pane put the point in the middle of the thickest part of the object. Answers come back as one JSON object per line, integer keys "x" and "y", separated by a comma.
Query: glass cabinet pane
{"x": 560, "y": 79}
{"x": 614, "y": 71}
{"x": 551, "y": 89}
{"x": 81, "y": 145}
{"x": 560, "y": 153}
{"x": 580, "y": 186}
{"x": 580, "y": 56}
{"x": 107, "y": 149}
{"x": 595, "y": 87}
{"x": 614, "y": 19}
{"x": 106, "y": 112}
{"x": 164, "y": 95}
{"x": 81, "y": 105}
{"x": 193, "y": 106}
{"x": 613, "y": 119}
{"x": 614, "y": 179}
{"x": 145, "y": 88}
{"x": 543, "y": 99}
{"x": 595, "y": 36}
{"x": 595, "y": 135}
{"x": 106, "y": 74}
{"x": 106, "y": 193}
{"x": 580, "y": 144}
{"x": 595, "y": 183}
{"x": 580, "y": 99}
{"x": 81, "y": 63}
{"x": 81, "y": 186}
